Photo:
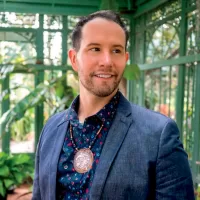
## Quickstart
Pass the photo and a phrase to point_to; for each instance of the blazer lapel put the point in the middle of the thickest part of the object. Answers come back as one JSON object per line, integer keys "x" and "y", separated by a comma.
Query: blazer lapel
{"x": 112, "y": 145}
{"x": 59, "y": 139}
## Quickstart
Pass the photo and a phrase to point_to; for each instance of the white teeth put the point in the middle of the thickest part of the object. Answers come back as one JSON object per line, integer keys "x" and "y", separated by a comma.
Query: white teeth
{"x": 103, "y": 76}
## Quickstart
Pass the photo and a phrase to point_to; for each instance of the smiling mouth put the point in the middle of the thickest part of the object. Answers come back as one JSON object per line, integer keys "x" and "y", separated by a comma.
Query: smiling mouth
{"x": 103, "y": 76}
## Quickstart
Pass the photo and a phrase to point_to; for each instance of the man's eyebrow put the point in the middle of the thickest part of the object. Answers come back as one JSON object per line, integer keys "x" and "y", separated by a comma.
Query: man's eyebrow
{"x": 114, "y": 45}
{"x": 93, "y": 44}
{"x": 119, "y": 46}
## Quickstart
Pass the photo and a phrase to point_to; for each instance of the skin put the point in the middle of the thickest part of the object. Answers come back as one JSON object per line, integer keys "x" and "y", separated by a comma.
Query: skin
{"x": 100, "y": 63}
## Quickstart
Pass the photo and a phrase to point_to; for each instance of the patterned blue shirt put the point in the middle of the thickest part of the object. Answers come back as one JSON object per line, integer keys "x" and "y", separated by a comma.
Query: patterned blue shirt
{"x": 71, "y": 184}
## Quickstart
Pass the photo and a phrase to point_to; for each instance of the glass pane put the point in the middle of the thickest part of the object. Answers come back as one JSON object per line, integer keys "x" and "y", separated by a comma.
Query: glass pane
{"x": 22, "y": 130}
{"x": 17, "y": 48}
{"x": 52, "y": 48}
{"x": 191, "y": 2}
{"x": 23, "y": 20}
{"x": 192, "y": 47}
{"x": 160, "y": 90}
{"x": 163, "y": 43}
{"x": 163, "y": 12}
{"x": 52, "y": 22}
{"x": 189, "y": 94}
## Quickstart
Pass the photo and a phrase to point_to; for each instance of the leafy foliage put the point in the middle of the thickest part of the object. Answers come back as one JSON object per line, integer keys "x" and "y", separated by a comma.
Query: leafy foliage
{"x": 14, "y": 170}
{"x": 132, "y": 72}
{"x": 22, "y": 127}
{"x": 55, "y": 93}
{"x": 7, "y": 69}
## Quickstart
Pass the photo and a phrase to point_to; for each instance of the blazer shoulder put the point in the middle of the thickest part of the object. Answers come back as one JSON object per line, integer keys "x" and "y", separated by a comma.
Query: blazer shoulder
{"x": 141, "y": 115}
{"x": 57, "y": 118}
{"x": 51, "y": 125}
{"x": 149, "y": 117}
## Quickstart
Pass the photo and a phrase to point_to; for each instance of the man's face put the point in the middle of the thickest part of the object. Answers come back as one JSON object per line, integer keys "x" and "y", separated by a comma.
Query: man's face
{"x": 101, "y": 59}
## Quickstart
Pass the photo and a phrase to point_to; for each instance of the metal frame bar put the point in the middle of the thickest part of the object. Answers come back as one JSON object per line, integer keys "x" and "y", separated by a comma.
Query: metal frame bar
{"x": 31, "y": 68}
{"x": 17, "y": 29}
{"x": 160, "y": 88}
{"x": 4, "y": 107}
{"x": 24, "y": 30}
{"x": 47, "y": 8}
{"x": 196, "y": 124}
{"x": 144, "y": 8}
{"x": 170, "y": 90}
{"x": 170, "y": 62}
{"x": 181, "y": 72}
{"x": 131, "y": 85}
{"x": 60, "y": 7}
{"x": 64, "y": 39}
{"x": 64, "y": 2}
{"x": 188, "y": 74}
{"x": 141, "y": 91}
{"x": 39, "y": 77}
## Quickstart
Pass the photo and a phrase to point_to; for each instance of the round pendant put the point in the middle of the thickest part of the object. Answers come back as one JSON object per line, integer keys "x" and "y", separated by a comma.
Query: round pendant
{"x": 83, "y": 160}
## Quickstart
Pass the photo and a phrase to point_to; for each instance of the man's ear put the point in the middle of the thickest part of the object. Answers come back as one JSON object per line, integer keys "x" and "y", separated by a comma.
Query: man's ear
{"x": 72, "y": 56}
{"x": 127, "y": 56}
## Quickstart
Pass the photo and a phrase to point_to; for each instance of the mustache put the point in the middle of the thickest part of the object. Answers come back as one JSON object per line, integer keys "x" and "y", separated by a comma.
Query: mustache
{"x": 104, "y": 71}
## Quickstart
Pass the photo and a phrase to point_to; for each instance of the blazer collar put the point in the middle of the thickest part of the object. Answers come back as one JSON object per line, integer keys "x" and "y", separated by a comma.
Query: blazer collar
{"x": 64, "y": 118}
{"x": 111, "y": 147}
{"x": 58, "y": 143}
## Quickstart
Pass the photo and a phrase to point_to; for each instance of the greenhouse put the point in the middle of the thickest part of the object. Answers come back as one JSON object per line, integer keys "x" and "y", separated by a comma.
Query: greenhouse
{"x": 37, "y": 80}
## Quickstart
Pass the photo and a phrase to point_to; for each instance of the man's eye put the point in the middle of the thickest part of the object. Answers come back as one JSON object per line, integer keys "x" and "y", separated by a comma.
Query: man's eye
{"x": 116, "y": 51}
{"x": 95, "y": 49}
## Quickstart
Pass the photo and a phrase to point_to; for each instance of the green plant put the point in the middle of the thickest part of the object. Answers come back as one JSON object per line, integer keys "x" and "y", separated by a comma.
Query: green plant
{"x": 55, "y": 93}
{"x": 14, "y": 170}
{"x": 132, "y": 72}
{"x": 21, "y": 128}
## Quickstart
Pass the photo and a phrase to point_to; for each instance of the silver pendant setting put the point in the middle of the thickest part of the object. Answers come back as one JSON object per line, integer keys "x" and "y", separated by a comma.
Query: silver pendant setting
{"x": 83, "y": 160}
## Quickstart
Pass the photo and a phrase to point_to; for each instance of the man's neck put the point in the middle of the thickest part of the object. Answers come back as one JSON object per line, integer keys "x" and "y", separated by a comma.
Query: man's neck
{"x": 91, "y": 104}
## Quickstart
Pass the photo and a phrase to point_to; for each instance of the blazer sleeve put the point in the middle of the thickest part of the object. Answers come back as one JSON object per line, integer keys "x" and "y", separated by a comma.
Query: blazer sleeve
{"x": 36, "y": 184}
{"x": 36, "y": 187}
{"x": 173, "y": 175}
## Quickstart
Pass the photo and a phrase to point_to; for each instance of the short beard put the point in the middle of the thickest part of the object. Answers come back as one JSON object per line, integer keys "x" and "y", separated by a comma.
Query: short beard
{"x": 106, "y": 91}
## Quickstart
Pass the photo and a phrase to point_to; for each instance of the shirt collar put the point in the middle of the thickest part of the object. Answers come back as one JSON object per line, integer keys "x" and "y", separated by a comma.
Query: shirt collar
{"x": 106, "y": 113}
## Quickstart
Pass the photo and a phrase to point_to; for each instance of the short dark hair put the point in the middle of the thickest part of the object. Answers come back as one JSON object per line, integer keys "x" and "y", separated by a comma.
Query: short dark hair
{"x": 105, "y": 14}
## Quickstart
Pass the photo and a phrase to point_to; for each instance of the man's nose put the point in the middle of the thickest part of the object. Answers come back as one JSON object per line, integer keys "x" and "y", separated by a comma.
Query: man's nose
{"x": 106, "y": 59}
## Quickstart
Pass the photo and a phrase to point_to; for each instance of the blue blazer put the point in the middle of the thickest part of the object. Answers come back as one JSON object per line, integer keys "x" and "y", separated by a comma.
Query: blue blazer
{"x": 142, "y": 158}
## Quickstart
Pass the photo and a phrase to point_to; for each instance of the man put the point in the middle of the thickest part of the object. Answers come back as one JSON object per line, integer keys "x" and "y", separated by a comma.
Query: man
{"x": 104, "y": 147}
